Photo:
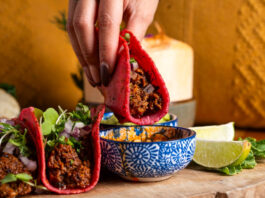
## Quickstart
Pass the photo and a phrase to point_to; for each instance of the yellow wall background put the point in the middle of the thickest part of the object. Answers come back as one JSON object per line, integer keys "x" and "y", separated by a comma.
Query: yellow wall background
{"x": 228, "y": 38}
{"x": 35, "y": 55}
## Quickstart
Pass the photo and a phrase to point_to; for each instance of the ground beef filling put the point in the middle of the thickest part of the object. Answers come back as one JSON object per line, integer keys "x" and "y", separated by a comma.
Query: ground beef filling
{"x": 10, "y": 164}
{"x": 144, "y": 98}
{"x": 66, "y": 170}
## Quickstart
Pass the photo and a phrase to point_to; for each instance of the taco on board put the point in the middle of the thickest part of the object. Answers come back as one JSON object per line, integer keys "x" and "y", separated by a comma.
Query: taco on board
{"x": 18, "y": 160}
{"x": 136, "y": 92}
{"x": 67, "y": 146}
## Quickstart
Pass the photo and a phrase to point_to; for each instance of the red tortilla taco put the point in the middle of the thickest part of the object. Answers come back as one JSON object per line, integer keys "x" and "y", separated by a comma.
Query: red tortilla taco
{"x": 67, "y": 146}
{"x": 137, "y": 92}
{"x": 18, "y": 161}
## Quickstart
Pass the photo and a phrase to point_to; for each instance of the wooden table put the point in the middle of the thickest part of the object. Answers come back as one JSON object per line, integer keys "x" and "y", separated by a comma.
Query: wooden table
{"x": 193, "y": 182}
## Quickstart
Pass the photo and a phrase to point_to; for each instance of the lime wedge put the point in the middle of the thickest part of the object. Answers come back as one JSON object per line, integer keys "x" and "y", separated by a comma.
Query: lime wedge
{"x": 225, "y": 132}
{"x": 218, "y": 154}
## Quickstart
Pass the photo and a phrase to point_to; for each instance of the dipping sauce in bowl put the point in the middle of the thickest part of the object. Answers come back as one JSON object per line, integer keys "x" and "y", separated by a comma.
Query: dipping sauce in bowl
{"x": 147, "y": 153}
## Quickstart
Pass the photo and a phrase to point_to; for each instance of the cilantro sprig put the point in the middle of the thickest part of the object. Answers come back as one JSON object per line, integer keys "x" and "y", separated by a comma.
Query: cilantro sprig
{"x": 132, "y": 60}
{"x": 14, "y": 177}
{"x": 15, "y": 136}
{"x": 257, "y": 152}
{"x": 53, "y": 124}
{"x": 81, "y": 114}
{"x": 24, "y": 177}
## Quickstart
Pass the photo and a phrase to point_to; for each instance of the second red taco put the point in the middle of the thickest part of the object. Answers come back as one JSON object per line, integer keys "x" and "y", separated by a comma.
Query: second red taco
{"x": 68, "y": 147}
{"x": 136, "y": 92}
{"x": 18, "y": 160}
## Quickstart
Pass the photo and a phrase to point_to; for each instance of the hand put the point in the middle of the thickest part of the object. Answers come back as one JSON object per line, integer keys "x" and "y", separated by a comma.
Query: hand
{"x": 97, "y": 53}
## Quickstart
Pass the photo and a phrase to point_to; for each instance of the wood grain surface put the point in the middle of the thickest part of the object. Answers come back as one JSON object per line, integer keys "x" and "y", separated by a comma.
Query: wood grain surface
{"x": 194, "y": 182}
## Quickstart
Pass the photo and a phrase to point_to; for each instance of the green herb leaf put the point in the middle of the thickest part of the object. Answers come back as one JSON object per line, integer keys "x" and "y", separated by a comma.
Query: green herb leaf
{"x": 132, "y": 60}
{"x": 75, "y": 144}
{"x": 81, "y": 114}
{"x": 50, "y": 115}
{"x": 15, "y": 137}
{"x": 38, "y": 113}
{"x": 230, "y": 170}
{"x": 46, "y": 128}
{"x": 71, "y": 161}
{"x": 51, "y": 143}
{"x": 249, "y": 162}
{"x": 9, "y": 178}
{"x": 53, "y": 130}
{"x": 127, "y": 37}
{"x": 61, "y": 140}
{"x": 258, "y": 147}
{"x": 24, "y": 177}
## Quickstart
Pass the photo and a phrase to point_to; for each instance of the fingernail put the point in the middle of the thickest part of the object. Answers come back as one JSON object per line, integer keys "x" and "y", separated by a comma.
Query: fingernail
{"x": 104, "y": 73}
{"x": 98, "y": 84}
{"x": 92, "y": 83}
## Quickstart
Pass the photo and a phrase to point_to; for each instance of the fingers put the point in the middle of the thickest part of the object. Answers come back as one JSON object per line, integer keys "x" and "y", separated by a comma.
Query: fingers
{"x": 109, "y": 20}
{"x": 140, "y": 16}
{"x": 73, "y": 25}
{"x": 84, "y": 20}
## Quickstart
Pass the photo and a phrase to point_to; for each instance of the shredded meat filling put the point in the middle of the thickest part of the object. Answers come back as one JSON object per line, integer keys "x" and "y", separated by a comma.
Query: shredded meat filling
{"x": 10, "y": 164}
{"x": 66, "y": 170}
{"x": 143, "y": 100}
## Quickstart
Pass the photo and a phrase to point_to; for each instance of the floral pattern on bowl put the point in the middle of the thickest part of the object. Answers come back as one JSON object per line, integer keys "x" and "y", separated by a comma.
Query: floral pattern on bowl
{"x": 147, "y": 161}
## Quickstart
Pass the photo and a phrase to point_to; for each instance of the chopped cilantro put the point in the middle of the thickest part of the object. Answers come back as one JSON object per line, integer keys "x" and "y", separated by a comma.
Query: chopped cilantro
{"x": 16, "y": 137}
{"x": 54, "y": 124}
{"x": 9, "y": 178}
{"x": 132, "y": 60}
{"x": 24, "y": 177}
{"x": 81, "y": 114}
{"x": 12, "y": 178}
{"x": 127, "y": 37}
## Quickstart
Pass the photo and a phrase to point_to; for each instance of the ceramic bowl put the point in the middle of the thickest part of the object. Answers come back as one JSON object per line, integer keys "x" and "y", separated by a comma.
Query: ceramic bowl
{"x": 146, "y": 153}
{"x": 173, "y": 121}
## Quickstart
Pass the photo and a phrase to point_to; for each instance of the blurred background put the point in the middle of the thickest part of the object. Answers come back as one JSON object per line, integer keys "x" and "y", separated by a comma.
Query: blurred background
{"x": 221, "y": 57}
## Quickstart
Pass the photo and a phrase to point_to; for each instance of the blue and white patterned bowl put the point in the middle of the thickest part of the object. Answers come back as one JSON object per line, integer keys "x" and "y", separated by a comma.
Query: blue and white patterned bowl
{"x": 147, "y": 161}
{"x": 172, "y": 122}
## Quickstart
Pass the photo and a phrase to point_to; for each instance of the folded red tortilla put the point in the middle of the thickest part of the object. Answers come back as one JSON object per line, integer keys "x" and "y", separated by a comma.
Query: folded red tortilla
{"x": 117, "y": 93}
{"x": 30, "y": 121}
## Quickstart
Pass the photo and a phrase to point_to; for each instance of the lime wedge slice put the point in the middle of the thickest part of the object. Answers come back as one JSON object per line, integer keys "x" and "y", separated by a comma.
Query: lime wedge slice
{"x": 218, "y": 154}
{"x": 225, "y": 132}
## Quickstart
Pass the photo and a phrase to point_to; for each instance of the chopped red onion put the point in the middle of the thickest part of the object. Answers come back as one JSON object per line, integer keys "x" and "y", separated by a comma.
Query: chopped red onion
{"x": 30, "y": 164}
{"x": 133, "y": 75}
{"x": 70, "y": 131}
{"x": 75, "y": 132}
{"x": 68, "y": 126}
{"x": 149, "y": 89}
{"x": 6, "y": 121}
{"x": 134, "y": 66}
{"x": 9, "y": 148}
{"x": 65, "y": 134}
{"x": 79, "y": 125}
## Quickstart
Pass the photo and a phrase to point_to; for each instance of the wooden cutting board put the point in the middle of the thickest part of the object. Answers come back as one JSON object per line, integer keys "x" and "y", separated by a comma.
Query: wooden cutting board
{"x": 190, "y": 182}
